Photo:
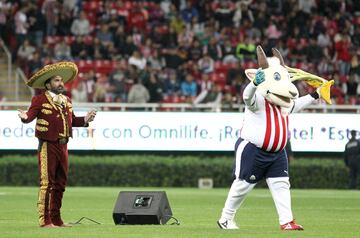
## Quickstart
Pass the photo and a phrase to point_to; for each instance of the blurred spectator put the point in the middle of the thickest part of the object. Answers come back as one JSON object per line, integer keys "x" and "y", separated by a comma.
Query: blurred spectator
{"x": 242, "y": 11}
{"x": 101, "y": 90}
{"x": 197, "y": 27}
{"x": 104, "y": 35}
{"x": 88, "y": 82}
{"x": 177, "y": 24}
{"x": 314, "y": 53}
{"x": 138, "y": 93}
{"x": 307, "y": 6}
{"x": 21, "y": 26}
{"x": 37, "y": 25}
{"x": 81, "y": 25}
{"x": 189, "y": 87}
{"x": 117, "y": 85}
{"x": 79, "y": 49}
{"x": 273, "y": 33}
{"x": 137, "y": 60}
{"x": 351, "y": 88}
{"x": 165, "y": 7}
{"x": 128, "y": 48}
{"x": 155, "y": 88}
{"x": 343, "y": 54}
{"x": 46, "y": 52}
{"x": 119, "y": 38}
{"x": 79, "y": 93}
{"x": 137, "y": 18}
{"x": 147, "y": 49}
{"x": 63, "y": 27}
{"x": 35, "y": 63}
{"x": 24, "y": 54}
{"x": 205, "y": 83}
{"x": 323, "y": 39}
{"x": 173, "y": 58}
{"x": 172, "y": 84}
{"x": 71, "y": 5}
{"x": 337, "y": 93}
{"x": 50, "y": 9}
{"x": 25, "y": 51}
{"x": 228, "y": 53}
{"x": 213, "y": 49}
{"x": 227, "y": 103}
{"x": 325, "y": 66}
{"x": 246, "y": 50}
{"x": 212, "y": 96}
{"x": 100, "y": 50}
{"x": 298, "y": 54}
{"x": 206, "y": 64}
{"x": 5, "y": 8}
{"x": 62, "y": 51}
{"x": 156, "y": 61}
{"x": 224, "y": 12}
{"x": 189, "y": 12}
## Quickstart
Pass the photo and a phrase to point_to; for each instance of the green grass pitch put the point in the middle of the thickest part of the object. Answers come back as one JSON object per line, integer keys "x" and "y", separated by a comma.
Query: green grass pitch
{"x": 323, "y": 213}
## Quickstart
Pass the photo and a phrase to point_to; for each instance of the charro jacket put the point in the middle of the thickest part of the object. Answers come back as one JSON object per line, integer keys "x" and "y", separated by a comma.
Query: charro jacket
{"x": 53, "y": 121}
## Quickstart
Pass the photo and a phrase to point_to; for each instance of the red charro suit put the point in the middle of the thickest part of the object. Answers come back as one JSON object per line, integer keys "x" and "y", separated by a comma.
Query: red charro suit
{"x": 53, "y": 128}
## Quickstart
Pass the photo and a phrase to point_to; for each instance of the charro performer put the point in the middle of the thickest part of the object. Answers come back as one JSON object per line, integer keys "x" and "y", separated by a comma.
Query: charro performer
{"x": 55, "y": 119}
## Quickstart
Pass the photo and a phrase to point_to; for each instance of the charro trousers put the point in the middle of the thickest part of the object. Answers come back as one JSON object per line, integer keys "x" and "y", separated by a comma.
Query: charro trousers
{"x": 53, "y": 171}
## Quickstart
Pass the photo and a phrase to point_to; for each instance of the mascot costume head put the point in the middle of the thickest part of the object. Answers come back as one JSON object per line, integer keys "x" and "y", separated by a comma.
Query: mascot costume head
{"x": 278, "y": 87}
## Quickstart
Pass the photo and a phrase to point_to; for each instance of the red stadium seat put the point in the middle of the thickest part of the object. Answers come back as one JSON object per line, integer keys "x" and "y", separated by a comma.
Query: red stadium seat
{"x": 52, "y": 40}
{"x": 89, "y": 6}
{"x": 353, "y": 100}
{"x": 69, "y": 39}
{"x": 103, "y": 66}
{"x": 85, "y": 65}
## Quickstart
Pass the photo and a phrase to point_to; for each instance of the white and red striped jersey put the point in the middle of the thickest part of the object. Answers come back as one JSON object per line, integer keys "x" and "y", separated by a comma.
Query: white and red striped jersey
{"x": 265, "y": 125}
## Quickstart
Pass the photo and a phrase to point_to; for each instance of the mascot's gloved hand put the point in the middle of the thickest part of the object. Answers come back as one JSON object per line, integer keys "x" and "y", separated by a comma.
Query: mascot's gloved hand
{"x": 259, "y": 77}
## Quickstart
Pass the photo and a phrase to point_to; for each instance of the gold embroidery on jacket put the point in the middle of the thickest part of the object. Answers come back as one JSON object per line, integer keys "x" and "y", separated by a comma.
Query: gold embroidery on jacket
{"x": 44, "y": 183}
{"x": 66, "y": 130}
{"x": 49, "y": 98}
{"x": 41, "y": 128}
{"x": 46, "y": 111}
{"x": 47, "y": 105}
{"x": 42, "y": 122}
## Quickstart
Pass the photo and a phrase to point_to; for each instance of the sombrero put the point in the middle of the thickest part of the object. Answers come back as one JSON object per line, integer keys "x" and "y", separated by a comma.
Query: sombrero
{"x": 67, "y": 70}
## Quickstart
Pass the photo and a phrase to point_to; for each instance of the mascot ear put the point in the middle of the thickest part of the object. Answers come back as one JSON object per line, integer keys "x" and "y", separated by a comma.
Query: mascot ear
{"x": 250, "y": 74}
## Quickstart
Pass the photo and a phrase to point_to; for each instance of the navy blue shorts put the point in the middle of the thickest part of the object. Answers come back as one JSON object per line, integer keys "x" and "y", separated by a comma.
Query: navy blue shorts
{"x": 253, "y": 164}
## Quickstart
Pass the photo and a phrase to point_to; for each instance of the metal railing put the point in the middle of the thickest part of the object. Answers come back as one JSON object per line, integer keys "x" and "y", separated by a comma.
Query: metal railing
{"x": 20, "y": 78}
{"x": 9, "y": 60}
{"x": 181, "y": 107}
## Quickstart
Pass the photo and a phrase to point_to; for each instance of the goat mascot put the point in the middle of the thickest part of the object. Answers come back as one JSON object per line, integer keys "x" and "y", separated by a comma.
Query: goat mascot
{"x": 259, "y": 152}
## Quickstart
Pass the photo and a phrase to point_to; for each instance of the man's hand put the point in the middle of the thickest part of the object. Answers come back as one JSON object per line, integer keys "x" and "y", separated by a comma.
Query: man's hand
{"x": 90, "y": 116}
{"x": 259, "y": 77}
{"x": 22, "y": 115}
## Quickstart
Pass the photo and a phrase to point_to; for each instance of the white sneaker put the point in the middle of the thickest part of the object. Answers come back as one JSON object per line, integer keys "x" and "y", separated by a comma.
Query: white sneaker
{"x": 227, "y": 224}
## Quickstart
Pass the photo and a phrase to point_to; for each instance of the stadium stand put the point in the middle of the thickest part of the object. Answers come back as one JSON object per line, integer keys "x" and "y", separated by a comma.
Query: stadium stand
{"x": 152, "y": 40}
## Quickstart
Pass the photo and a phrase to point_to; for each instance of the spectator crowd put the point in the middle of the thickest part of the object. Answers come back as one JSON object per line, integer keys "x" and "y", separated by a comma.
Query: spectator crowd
{"x": 183, "y": 50}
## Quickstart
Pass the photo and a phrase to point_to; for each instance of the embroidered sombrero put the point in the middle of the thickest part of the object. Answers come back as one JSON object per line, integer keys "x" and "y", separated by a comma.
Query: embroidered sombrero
{"x": 67, "y": 70}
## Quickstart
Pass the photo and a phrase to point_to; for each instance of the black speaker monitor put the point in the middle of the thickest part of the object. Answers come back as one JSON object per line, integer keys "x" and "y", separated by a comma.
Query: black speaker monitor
{"x": 142, "y": 208}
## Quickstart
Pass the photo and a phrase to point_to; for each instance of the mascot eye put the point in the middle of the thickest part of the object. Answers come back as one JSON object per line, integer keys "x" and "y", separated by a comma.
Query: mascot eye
{"x": 277, "y": 76}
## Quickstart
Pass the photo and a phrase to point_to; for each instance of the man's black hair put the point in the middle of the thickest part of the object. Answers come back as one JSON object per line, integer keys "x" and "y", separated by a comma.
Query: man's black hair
{"x": 46, "y": 82}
